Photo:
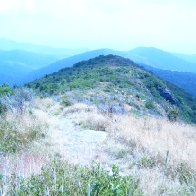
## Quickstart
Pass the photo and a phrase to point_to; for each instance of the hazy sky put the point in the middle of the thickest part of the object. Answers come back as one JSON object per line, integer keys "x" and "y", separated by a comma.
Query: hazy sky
{"x": 117, "y": 24}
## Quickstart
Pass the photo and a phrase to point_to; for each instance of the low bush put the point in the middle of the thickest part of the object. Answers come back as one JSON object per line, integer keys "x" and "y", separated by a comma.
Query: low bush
{"x": 3, "y": 109}
{"x": 60, "y": 178}
{"x": 5, "y": 90}
{"x": 65, "y": 102}
{"x": 95, "y": 121}
{"x": 149, "y": 105}
{"x": 173, "y": 115}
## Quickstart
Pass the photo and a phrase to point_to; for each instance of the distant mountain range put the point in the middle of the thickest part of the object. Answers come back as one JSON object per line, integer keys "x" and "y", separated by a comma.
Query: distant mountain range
{"x": 17, "y": 60}
{"x": 187, "y": 57}
{"x": 16, "y": 64}
{"x": 150, "y": 56}
{"x": 8, "y": 45}
{"x": 31, "y": 60}
{"x": 160, "y": 59}
{"x": 19, "y": 67}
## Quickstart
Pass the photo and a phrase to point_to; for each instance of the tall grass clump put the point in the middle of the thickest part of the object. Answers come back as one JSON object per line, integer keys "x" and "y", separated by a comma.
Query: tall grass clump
{"x": 18, "y": 126}
{"x": 18, "y": 132}
{"x": 19, "y": 101}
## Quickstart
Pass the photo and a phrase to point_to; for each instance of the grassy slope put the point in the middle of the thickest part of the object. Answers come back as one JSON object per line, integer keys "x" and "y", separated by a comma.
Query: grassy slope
{"x": 138, "y": 146}
{"x": 120, "y": 82}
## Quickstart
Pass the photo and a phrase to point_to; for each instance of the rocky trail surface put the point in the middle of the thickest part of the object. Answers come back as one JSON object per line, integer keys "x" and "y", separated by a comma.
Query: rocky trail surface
{"x": 80, "y": 146}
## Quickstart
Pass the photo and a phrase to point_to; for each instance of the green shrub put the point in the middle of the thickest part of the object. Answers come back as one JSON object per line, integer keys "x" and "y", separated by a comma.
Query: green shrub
{"x": 65, "y": 102}
{"x": 121, "y": 153}
{"x": 59, "y": 178}
{"x": 149, "y": 105}
{"x": 3, "y": 109}
{"x": 5, "y": 90}
{"x": 173, "y": 115}
{"x": 185, "y": 174}
{"x": 147, "y": 162}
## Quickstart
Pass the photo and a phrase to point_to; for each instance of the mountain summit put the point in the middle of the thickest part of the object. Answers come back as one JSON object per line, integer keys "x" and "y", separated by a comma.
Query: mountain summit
{"x": 117, "y": 83}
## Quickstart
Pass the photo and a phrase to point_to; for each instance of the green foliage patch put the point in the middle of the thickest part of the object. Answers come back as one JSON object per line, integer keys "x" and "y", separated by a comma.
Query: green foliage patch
{"x": 5, "y": 90}
{"x": 60, "y": 178}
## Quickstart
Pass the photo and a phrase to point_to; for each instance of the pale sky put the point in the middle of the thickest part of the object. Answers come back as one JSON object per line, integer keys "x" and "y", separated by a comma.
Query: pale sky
{"x": 116, "y": 24}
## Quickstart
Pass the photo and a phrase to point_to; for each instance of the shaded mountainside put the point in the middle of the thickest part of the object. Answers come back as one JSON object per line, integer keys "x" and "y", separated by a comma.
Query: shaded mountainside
{"x": 184, "y": 80}
{"x": 115, "y": 83}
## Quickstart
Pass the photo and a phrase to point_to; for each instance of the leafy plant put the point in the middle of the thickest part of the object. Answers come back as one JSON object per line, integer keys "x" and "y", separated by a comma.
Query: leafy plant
{"x": 149, "y": 105}
{"x": 5, "y": 90}
{"x": 60, "y": 178}
{"x": 65, "y": 102}
{"x": 173, "y": 114}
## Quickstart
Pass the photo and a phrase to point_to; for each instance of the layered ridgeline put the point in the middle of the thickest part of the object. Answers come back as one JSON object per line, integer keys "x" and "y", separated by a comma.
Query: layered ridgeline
{"x": 16, "y": 64}
{"x": 22, "y": 63}
{"x": 161, "y": 59}
{"x": 159, "y": 62}
{"x": 118, "y": 85}
{"x": 18, "y": 60}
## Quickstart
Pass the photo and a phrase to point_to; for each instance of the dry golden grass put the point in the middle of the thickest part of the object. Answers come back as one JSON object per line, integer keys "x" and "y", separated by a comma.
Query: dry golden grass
{"x": 78, "y": 107}
{"x": 139, "y": 145}
{"x": 158, "y": 136}
{"x": 88, "y": 117}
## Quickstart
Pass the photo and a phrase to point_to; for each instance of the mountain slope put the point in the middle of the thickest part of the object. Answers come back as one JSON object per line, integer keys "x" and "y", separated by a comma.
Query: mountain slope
{"x": 117, "y": 83}
{"x": 164, "y": 62}
{"x": 12, "y": 72}
{"x": 184, "y": 80}
{"x": 160, "y": 59}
